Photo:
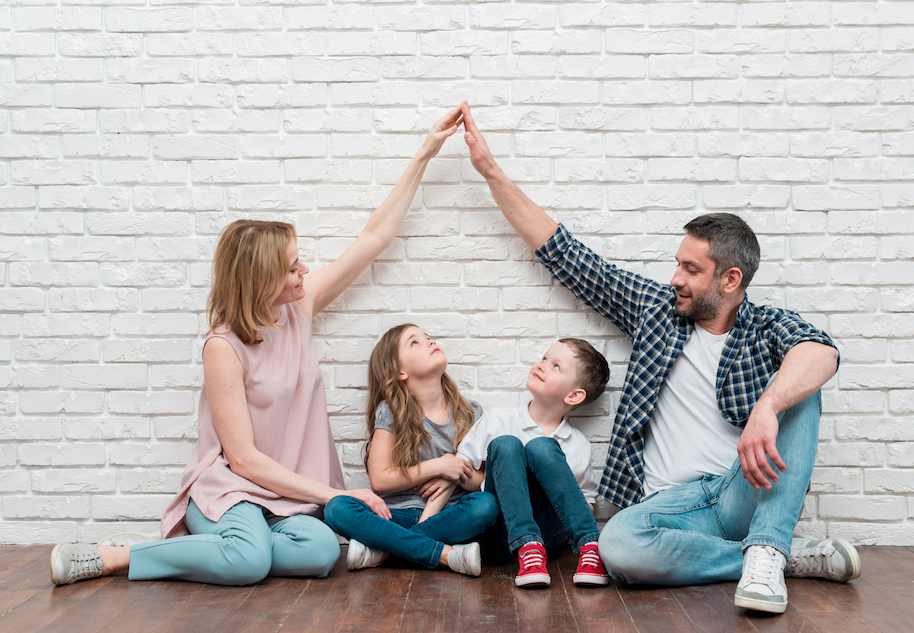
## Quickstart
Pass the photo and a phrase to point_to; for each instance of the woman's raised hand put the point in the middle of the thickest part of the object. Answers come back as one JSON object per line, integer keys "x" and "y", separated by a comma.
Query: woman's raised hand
{"x": 441, "y": 130}
{"x": 373, "y": 501}
{"x": 452, "y": 468}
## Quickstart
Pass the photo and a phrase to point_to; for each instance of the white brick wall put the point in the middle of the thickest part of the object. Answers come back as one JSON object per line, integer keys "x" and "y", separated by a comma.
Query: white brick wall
{"x": 129, "y": 135}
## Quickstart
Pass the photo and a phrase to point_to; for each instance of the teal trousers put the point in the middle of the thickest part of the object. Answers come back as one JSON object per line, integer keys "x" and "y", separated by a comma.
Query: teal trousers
{"x": 245, "y": 546}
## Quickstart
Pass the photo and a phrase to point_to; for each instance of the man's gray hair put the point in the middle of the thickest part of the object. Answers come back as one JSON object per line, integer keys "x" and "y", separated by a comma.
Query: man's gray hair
{"x": 733, "y": 243}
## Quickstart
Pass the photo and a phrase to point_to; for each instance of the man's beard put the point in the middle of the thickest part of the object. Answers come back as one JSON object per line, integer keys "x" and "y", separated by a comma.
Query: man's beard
{"x": 704, "y": 306}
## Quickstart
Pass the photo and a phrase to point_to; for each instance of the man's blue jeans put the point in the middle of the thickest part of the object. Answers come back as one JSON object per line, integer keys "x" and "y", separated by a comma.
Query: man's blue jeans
{"x": 697, "y": 532}
{"x": 403, "y": 535}
{"x": 540, "y": 498}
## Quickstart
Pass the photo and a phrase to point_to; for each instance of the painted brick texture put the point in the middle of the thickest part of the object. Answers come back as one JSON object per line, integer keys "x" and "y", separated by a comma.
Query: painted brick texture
{"x": 130, "y": 135}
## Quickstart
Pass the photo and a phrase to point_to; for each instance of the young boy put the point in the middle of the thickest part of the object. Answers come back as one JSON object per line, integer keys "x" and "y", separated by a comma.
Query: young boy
{"x": 539, "y": 468}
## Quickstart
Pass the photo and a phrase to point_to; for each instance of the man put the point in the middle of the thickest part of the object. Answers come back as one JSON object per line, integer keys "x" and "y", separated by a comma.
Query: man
{"x": 716, "y": 387}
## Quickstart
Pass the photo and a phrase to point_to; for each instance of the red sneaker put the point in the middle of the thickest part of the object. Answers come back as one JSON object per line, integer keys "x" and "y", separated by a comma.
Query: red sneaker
{"x": 532, "y": 560}
{"x": 590, "y": 571}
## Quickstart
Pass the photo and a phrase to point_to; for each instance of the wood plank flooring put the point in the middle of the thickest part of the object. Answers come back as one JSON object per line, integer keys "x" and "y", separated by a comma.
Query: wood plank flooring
{"x": 403, "y": 600}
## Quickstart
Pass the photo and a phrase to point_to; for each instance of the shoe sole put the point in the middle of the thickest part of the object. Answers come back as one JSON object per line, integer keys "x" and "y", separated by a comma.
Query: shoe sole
{"x": 759, "y": 605}
{"x": 585, "y": 580}
{"x": 850, "y": 552}
{"x": 53, "y": 565}
{"x": 147, "y": 537}
{"x": 533, "y": 580}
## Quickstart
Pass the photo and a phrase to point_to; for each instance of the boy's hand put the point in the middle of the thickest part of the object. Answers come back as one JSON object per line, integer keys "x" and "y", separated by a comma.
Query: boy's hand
{"x": 434, "y": 488}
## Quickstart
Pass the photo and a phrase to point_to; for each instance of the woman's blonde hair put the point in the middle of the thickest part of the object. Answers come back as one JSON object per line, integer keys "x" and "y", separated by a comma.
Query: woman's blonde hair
{"x": 407, "y": 418}
{"x": 249, "y": 269}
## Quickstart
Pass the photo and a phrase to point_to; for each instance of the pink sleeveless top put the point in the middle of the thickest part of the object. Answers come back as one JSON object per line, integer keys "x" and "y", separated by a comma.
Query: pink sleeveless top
{"x": 288, "y": 408}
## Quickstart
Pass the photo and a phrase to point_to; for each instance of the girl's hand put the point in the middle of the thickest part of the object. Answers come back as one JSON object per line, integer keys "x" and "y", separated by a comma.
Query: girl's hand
{"x": 441, "y": 130}
{"x": 452, "y": 468}
{"x": 373, "y": 501}
{"x": 434, "y": 488}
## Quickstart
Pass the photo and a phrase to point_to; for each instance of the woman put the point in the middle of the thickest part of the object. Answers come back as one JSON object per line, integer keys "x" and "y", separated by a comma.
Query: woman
{"x": 265, "y": 463}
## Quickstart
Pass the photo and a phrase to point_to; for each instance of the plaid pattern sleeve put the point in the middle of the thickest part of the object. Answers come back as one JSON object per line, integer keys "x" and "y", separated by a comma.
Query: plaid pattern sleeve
{"x": 616, "y": 294}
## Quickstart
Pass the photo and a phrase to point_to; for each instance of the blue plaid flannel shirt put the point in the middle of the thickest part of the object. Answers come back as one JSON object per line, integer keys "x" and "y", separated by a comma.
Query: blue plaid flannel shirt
{"x": 646, "y": 312}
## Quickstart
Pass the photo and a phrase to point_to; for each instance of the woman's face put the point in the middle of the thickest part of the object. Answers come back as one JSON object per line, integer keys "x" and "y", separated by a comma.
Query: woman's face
{"x": 293, "y": 288}
{"x": 419, "y": 355}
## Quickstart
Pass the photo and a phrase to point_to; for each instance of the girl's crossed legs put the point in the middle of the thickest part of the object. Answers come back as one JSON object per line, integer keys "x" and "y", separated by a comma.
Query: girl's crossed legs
{"x": 403, "y": 535}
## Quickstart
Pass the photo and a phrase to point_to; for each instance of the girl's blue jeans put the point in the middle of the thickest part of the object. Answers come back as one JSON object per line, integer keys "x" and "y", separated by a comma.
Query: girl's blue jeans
{"x": 403, "y": 536}
{"x": 540, "y": 498}
{"x": 246, "y": 545}
{"x": 696, "y": 532}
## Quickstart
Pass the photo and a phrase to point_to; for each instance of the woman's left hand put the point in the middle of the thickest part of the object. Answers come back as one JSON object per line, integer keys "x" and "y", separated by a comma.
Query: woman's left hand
{"x": 434, "y": 488}
{"x": 441, "y": 130}
{"x": 373, "y": 501}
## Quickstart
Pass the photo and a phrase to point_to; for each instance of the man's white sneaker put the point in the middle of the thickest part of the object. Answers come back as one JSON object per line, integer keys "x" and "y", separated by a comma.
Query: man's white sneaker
{"x": 831, "y": 558}
{"x": 762, "y": 586}
{"x": 465, "y": 559}
{"x": 361, "y": 556}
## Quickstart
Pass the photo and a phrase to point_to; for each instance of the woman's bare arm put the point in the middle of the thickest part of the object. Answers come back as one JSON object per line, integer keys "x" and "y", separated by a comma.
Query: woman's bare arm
{"x": 224, "y": 378}
{"x": 326, "y": 284}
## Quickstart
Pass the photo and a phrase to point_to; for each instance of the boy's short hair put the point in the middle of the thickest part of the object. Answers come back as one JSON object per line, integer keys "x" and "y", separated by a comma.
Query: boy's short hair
{"x": 592, "y": 370}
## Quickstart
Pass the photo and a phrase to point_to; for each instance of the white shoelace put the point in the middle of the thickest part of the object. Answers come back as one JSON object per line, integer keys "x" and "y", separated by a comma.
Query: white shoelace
{"x": 763, "y": 566}
{"x": 814, "y": 560}
{"x": 86, "y": 566}
{"x": 532, "y": 558}
{"x": 590, "y": 558}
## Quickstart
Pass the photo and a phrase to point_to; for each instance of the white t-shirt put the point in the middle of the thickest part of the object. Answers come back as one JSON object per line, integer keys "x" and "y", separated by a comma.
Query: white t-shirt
{"x": 687, "y": 437}
{"x": 517, "y": 422}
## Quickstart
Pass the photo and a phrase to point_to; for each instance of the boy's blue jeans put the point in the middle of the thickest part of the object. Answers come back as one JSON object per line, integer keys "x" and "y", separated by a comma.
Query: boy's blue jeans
{"x": 539, "y": 497}
{"x": 696, "y": 533}
{"x": 403, "y": 535}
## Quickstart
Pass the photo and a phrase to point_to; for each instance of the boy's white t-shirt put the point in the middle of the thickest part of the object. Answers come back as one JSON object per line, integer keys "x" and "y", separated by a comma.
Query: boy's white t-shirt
{"x": 517, "y": 422}
{"x": 687, "y": 437}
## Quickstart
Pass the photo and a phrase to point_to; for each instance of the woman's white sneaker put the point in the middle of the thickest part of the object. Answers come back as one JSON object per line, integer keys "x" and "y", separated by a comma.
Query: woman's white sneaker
{"x": 71, "y": 562}
{"x": 762, "y": 586}
{"x": 126, "y": 539}
{"x": 832, "y": 558}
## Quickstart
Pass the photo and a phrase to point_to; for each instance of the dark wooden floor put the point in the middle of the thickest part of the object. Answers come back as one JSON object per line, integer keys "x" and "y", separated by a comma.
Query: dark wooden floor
{"x": 387, "y": 599}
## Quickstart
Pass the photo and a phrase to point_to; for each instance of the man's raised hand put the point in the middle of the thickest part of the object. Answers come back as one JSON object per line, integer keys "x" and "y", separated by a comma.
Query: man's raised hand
{"x": 480, "y": 156}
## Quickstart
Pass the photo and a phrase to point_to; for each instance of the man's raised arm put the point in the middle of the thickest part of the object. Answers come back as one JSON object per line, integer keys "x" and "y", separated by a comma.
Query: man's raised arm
{"x": 528, "y": 220}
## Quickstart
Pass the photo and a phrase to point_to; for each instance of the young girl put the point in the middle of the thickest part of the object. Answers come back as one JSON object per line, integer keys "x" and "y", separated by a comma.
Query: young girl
{"x": 416, "y": 418}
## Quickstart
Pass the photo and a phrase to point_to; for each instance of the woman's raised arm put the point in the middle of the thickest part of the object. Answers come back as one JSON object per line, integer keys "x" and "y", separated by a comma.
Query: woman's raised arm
{"x": 326, "y": 284}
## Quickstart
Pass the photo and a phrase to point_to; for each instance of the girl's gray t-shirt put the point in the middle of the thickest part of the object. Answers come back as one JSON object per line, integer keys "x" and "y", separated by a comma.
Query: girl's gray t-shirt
{"x": 441, "y": 442}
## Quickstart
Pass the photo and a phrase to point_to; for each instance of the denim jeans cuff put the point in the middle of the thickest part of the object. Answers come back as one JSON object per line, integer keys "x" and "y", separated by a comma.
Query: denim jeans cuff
{"x": 584, "y": 540}
{"x": 436, "y": 556}
{"x": 520, "y": 541}
{"x": 760, "y": 540}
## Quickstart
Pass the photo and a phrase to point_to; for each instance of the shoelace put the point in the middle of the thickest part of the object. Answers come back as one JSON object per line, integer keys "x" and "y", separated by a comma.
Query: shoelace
{"x": 814, "y": 560}
{"x": 532, "y": 558}
{"x": 589, "y": 558}
{"x": 86, "y": 566}
{"x": 762, "y": 567}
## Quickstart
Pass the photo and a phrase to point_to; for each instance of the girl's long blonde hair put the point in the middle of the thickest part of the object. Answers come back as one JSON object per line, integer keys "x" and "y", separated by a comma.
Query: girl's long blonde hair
{"x": 407, "y": 417}
{"x": 249, "y": 269}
